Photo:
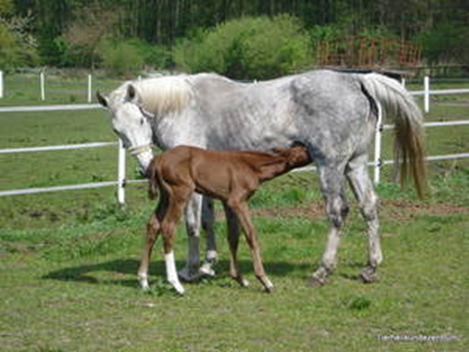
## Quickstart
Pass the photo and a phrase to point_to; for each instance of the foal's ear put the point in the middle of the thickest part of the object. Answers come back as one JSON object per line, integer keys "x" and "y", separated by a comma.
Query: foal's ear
{"x": 102, "y": 99}
{"x": 280, "y": 151}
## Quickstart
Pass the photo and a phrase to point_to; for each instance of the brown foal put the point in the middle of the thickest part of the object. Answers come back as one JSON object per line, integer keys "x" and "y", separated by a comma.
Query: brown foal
{"x": 230, "y": 176}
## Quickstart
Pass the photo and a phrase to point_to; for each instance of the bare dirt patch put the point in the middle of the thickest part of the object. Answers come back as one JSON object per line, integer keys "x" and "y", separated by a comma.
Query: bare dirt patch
{"x": 398, "y": 209}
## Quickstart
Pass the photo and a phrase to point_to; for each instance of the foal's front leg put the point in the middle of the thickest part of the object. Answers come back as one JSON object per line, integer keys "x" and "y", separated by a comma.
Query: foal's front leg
{"x": 233, "y": 242}
{"x": 241, "y": 209}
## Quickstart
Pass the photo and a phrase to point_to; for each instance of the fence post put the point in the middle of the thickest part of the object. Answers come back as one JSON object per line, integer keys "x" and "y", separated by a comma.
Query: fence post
{"x": 43, "y": 89}
{"x": 121, "y": 173}
{"x": 90, "y": 88}
{"x": 378, "y": 134}
{"x": 426, "y": 88}
{"x": 1, "y": 84}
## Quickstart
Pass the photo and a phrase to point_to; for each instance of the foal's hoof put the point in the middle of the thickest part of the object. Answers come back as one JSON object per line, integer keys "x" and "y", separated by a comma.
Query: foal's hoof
{"x": 143, "y": 282}
{"x": 267, "y": 284}
{"x": 206, "y": 271}
{"x": 369, "y": 275}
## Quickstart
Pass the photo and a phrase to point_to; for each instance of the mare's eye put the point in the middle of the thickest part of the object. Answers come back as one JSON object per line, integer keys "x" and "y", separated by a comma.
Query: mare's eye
{"x": 142, "y": 121}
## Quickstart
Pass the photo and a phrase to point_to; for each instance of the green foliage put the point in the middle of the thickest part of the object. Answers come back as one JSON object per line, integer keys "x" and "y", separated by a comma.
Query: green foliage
{"x": 447, "y": 42}
{"x": 121, "y": 58}
{"x": 17, "y": 47}
{"x": 255, "y": 48}
{"x": 157, "y": 56}
{"x": 5, "y": 6}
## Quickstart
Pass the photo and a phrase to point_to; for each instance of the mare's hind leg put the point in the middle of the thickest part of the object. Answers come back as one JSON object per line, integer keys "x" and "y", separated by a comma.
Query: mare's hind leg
{"x": 233, "y": 241}
{"x": 359, "y": 180}
{"x": 336, "y": 210}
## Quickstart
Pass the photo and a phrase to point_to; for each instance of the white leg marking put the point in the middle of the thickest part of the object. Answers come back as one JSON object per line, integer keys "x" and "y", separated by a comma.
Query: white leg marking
{"x": 143, "y": 280}
{"x": 171, "y": 273}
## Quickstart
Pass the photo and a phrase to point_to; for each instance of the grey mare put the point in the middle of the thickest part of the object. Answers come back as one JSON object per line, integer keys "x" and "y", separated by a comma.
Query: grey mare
{"x": 333, "y": 114}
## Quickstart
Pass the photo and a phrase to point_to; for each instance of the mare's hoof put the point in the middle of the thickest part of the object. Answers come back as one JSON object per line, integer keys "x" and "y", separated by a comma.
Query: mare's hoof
{"x": 369, "y": 275}
{"x": 269, "y": 289}
{"x": 187, "y": 275}
{"x": 319, "y": 278}
{"x": 317, "y": 281}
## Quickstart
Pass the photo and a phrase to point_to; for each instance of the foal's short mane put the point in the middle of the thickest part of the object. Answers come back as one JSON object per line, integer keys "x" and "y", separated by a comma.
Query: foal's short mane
{"x": 161, "y": 95}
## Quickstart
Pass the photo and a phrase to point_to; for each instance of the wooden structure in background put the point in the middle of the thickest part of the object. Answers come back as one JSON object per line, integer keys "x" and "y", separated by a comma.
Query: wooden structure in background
{"x": 368, "y": 53}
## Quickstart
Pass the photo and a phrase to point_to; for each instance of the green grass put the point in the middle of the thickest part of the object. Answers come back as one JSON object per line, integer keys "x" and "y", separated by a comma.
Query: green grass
{"x": 68, "y": 260}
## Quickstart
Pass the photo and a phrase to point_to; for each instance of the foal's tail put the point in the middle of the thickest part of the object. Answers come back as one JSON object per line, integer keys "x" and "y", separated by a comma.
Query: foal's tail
{"x": 153, "y": 178}
{"x": 409, "y": 137}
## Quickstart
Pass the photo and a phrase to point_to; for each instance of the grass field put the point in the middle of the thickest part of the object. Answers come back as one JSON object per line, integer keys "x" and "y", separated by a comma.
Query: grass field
{"x": 68, "y": 260}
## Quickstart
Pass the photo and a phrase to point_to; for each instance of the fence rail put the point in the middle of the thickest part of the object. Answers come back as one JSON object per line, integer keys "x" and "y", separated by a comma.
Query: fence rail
{"x": 121, "y": 180}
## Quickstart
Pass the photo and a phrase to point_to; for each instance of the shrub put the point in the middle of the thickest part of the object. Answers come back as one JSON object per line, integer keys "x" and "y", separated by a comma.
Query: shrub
{"x": 255, "y": 48}
{"x": 446, "y": 43}
{"x": 121, "y": 58}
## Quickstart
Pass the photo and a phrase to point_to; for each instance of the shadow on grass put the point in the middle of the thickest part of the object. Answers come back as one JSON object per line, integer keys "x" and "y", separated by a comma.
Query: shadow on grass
{"x": 90, "y": 274}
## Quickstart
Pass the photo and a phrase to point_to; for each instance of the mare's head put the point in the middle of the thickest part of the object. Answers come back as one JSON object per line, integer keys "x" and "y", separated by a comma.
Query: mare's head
{"x": 130, "y": 121}
{"x": 297, "y": 155}
{"x": 136, "y": 107}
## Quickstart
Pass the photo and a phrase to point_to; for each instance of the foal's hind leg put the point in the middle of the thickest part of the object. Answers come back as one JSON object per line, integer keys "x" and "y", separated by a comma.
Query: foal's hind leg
{"x": 149, "y": 241}
{"x": 178, "y": 198}
{"x": 153, "y": 229}
{"x": 336, "y": 209}
{"x": 363, "y": 189}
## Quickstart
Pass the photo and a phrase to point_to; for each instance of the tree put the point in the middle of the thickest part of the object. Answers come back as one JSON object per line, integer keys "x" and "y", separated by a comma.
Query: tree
{"x": 17, "y": 46}
{"x": 87, "y": 31}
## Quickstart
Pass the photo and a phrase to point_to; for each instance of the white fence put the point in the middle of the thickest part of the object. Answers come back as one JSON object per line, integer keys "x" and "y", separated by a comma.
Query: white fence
{"x": 121, "y": 180}
{"x": 42, "y": 86}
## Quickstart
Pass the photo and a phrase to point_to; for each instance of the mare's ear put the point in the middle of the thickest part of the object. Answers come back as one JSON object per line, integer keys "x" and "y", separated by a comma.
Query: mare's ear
{"x": 132, "y": 94}
{"x": 102, "y": 99}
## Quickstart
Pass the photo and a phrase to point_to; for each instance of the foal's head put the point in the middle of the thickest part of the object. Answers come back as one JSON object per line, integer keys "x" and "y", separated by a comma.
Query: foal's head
{"x": 297, "y": 155}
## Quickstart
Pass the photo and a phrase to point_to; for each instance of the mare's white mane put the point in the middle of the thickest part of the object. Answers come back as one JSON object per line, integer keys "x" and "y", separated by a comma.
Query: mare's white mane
{"x": 160, "y": 96}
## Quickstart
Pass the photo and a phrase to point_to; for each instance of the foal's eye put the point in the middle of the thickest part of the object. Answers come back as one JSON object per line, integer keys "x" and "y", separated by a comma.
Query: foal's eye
{"x": 142, "y": 121}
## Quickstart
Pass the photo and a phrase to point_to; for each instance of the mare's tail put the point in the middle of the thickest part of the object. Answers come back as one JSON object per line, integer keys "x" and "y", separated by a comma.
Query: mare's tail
{"x": 409, "y": 137}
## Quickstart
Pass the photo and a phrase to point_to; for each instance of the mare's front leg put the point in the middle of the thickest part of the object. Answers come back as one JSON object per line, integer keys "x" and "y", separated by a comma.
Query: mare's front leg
{"x": 208, "y": 222}
{"x": 193, "y": 220}
{"x": 331, "y": 179}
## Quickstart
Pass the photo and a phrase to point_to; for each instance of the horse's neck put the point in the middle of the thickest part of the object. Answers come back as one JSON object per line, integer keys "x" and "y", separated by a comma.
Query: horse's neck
{"x": 273, "y": 169}
{"x": 167, "y": 131}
